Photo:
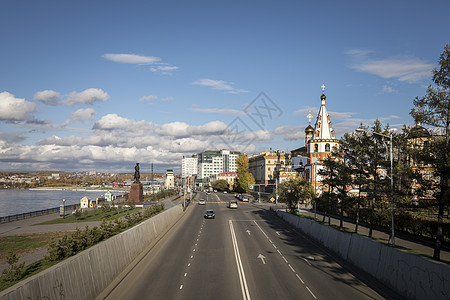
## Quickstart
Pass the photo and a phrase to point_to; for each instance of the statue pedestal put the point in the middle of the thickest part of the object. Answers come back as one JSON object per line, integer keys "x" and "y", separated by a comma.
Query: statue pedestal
{"x": 136, "y": 195}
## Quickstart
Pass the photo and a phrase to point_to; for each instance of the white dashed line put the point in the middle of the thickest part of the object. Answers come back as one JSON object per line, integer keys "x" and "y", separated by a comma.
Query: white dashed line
{"x": 291, "y": 268}
{"x": 299, "y": 278}
{"x": 311, "y": 293}
{"x": 181, "y": 287}
{"x": 185, "y": 274}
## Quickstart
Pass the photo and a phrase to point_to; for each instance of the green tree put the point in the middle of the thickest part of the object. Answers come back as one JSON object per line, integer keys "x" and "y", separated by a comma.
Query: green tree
{"x": 338, "y": 177}
{"x": 353, "y": 147}
{"x": 294, "y": 191}
{"x": 220, "y": 185}
{"x": 244, "y": 178}
{"x": 433, "y": 110}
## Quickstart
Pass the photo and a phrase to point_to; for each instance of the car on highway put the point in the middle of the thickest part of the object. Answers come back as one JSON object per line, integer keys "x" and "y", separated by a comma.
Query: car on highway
{"x": 209, "y": 214}
{"x": 201, "y": 202}
{"x": 232, "y": 204}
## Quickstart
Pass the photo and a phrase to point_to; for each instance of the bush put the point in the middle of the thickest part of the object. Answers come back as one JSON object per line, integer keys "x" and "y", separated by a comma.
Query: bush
{"x": 80, "y": 240}
{"x": 14, "y": 271}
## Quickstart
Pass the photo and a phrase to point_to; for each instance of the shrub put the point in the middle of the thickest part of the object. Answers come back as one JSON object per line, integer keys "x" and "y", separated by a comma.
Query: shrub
{"x": 14, "y": 271}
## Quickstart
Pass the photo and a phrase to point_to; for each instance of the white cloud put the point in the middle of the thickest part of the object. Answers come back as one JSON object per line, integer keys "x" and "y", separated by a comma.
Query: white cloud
{"x": 48, "y": 97}
{"x": 113, "y": 122}
{"x": 219, "y": 85}
{"x": 403, "y": 68}
{"x": 166, "y": 70}
{"x": 290, "y": 133}
{"x": 81, "y": 115}
{"x": 181, "y": 129}
{"x": 227, "y": 111}
{"x": 154, "y": 98}
{"x": 131, "y": 59}
{"x": 88, "y": 96}
{"x": 388, "y": 90}
{"x": 148, "y": 98}
{"x": 15, "y": 109}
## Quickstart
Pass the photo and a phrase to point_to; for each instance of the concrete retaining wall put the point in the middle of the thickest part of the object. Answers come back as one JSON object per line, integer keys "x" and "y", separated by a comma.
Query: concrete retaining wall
{"x": 88, "y": 273}
{"x": 411, "y": 275}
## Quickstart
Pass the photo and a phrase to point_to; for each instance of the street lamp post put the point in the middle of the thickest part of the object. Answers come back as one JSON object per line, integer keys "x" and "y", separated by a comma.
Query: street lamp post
{"x": 392, "y": 178}
{"x": 315, "y": 195}
{"x": 64, "y": 208}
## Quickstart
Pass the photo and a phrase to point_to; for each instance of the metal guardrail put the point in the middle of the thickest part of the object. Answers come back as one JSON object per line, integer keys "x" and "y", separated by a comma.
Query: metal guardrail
{"x": 36, "y": 213}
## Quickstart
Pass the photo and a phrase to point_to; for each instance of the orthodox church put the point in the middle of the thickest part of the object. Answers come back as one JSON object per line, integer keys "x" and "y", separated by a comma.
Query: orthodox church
{"x": 319, "y": 143}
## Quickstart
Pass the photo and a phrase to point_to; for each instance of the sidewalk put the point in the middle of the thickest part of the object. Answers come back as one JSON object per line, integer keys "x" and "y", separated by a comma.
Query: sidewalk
{"x": 401, "y": 240}
{"x": 29, "y": 226}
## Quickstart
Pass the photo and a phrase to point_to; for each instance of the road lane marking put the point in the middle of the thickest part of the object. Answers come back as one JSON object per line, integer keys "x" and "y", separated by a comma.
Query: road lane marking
{"x": 189, "y": 264}
{"x": 185, "y": 274}
{"x": 311, "y": 293}
{"x": 262, "y": 257}
{"x": 181, "y": 287}
{"x": 293, "y": 270}
{"x": 242, "y": 279}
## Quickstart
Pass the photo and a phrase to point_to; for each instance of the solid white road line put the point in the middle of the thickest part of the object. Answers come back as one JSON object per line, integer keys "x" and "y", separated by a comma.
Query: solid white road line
{"x": 242, "y": 279}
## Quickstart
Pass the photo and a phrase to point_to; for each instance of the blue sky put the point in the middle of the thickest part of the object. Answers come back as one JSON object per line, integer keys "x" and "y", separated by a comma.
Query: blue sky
{"x": 100, "y": 85}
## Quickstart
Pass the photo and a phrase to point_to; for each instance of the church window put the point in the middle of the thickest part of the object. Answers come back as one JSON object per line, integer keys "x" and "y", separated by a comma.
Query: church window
{"x": 327, "y": 147}
{"x": 316, "y": 148}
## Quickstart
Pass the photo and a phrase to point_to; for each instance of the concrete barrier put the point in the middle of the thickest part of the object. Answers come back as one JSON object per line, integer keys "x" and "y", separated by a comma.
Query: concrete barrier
{"x": 412, "y": 276}
{"x": 88, "y": 273}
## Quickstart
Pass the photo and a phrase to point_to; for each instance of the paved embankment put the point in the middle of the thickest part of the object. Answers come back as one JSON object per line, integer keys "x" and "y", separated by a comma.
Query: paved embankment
{"x": 30, "y": 226}
{"x": 88, "y": 273}
{"x": 411, "y": 275}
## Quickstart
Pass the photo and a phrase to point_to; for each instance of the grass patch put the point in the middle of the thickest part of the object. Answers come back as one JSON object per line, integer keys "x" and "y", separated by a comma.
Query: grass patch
{"x": 30, "y": 270}
{"x": 25, "y": 244}
{"x": 93, "y": 215}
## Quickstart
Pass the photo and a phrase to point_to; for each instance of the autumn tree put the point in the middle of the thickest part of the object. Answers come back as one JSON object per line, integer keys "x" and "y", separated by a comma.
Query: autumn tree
{"x": 244, "y": 177}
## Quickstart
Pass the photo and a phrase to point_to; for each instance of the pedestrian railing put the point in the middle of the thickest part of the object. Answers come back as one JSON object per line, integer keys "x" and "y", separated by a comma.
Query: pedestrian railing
{"x": 36, "y": 213}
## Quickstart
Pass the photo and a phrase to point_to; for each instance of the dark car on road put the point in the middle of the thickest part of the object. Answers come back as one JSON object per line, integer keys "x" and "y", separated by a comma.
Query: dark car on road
{"x": 209, "y": 214}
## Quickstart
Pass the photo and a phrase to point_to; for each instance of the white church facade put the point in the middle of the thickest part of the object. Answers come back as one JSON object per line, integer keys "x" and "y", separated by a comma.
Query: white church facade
{"x": 319, "y": 141}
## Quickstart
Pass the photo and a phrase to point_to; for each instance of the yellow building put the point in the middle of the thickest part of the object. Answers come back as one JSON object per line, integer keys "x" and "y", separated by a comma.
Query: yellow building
{"x": 266, "y": 167}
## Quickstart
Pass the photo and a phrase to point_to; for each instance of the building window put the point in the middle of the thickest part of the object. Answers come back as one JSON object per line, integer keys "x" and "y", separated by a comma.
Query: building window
{"x": 327, "y": 147}
{"x": 316, "y": 148}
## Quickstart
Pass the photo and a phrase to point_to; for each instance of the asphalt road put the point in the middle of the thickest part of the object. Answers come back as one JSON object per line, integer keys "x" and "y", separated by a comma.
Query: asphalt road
{"x": 245, "y": 253}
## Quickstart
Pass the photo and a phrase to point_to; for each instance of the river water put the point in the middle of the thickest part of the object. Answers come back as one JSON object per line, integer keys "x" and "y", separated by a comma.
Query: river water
{"x": 21, "y": 201}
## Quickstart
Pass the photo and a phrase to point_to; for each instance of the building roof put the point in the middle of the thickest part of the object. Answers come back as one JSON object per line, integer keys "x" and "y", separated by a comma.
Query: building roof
{"x": 418, "y": 132}
{"x": 323, "y": 128}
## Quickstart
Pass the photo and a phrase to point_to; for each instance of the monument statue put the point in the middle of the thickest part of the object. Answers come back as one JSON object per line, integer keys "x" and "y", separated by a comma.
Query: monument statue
{"x": 137, "y": 175}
